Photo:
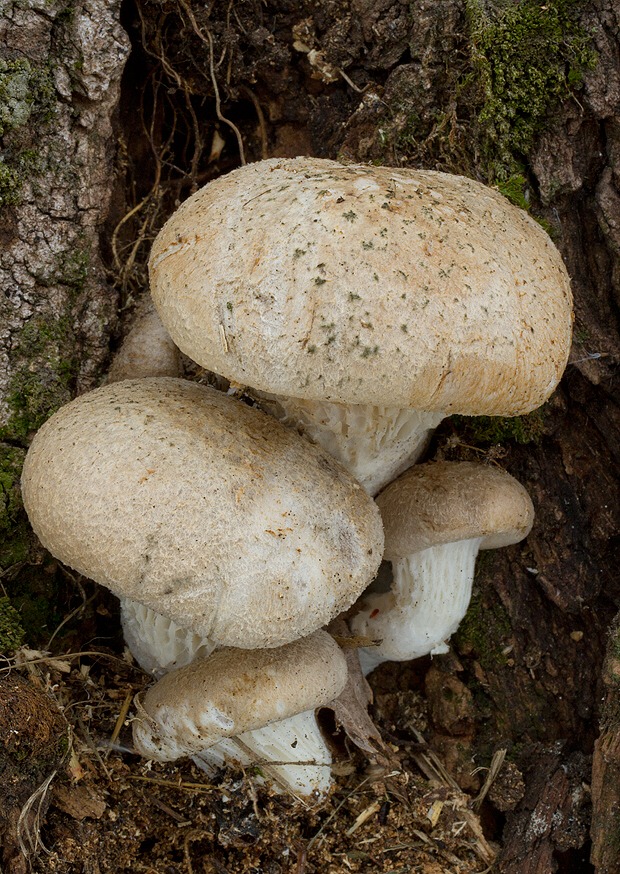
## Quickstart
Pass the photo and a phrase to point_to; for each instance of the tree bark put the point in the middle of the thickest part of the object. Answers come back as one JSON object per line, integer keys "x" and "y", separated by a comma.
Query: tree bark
{"x": 60, "y": 70}
{"x": 366, "y": 80}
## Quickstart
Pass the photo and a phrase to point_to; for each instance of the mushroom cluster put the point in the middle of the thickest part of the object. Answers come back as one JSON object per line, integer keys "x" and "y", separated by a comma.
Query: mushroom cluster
{"x": 217, "y": 527}
{"x": 359, "y": 305}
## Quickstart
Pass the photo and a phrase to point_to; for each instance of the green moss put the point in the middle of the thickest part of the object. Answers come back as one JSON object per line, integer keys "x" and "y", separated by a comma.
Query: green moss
{"x": 43, "y": 375}
{"x": 36, "y": 598}
{"x": 516, "y": 190}
{"x": 484, "y": 630}
{"x": 491, "y": 430}
{"x": 10, "y": 185}
{"x": 72, "y": 268}
{"x": 12, "y": 634}
{"x": 526, "y": 56}
{"x": 25, "y": 91}
{"x": 15, "y": 537}
{"x": 27, "y": 100}
{"x": 513, "y": 63}
{"x": 613, "y": 651}
{"x": 45, "y": 356}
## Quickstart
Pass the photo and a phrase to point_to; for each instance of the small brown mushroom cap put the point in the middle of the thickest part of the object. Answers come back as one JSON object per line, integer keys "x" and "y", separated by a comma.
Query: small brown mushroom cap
{"x": 442, "y": 502}
{"x": 234, "y": 691}
{"x": 203, "y": 509}
{"x": 366, "y": 285}
{"x": 147, "y": 350}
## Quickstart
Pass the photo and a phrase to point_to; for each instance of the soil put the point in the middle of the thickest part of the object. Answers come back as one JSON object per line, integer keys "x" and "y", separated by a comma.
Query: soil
{"x": 111, "y": 811}
{"x": 528, "y": 694}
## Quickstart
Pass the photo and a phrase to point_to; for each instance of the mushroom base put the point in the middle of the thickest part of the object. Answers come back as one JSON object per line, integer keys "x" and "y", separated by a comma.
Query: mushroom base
{"x": 429, "y": 596}
{"x": 374, "y": 443}
{"x": 290, "y": 753}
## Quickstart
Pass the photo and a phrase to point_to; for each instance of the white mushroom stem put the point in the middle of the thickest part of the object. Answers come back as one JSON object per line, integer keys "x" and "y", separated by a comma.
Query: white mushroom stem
{"x": 429, "y": 596}
{"x": 374, "y": 443}
{"x": 157, "y": 643}
{"x": 248, "y": 707}
{"x": 291, "y": 753}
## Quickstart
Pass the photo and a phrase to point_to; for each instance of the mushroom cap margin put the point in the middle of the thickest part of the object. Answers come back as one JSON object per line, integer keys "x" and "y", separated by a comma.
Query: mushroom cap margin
{"x": 370, "y": 285}
{"x": 445, "y": 501}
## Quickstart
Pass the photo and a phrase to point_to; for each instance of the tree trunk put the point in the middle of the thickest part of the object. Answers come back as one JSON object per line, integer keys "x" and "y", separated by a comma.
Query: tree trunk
{"x": 525, "y": 96}
{"x": 60, "y": 69}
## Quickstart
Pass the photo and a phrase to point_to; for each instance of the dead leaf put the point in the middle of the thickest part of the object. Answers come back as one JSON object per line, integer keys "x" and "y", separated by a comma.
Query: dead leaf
{"x": 351, "y": 706}
{"x": 79, "y": 802}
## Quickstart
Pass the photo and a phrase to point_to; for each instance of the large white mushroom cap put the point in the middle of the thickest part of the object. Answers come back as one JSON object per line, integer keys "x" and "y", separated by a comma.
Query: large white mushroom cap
{"x": 366, "y": 285}
{"x": 203, "y": 509}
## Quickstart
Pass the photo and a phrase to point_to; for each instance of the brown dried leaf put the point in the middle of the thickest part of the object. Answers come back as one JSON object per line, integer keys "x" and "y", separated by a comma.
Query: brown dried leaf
{"x": 79, "y": 802}
{"x": 351, "y": 706}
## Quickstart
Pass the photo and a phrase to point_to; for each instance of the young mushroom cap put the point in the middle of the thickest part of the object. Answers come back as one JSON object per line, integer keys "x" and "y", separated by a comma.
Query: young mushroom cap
{"x": 446, "y": 501}
{"x": 366, "y": 285}
{"x": 203, "y": 509}
{"x": 239, "y": 692}
{"x": 147, "y": 350}
{"x": 436, "y": 518}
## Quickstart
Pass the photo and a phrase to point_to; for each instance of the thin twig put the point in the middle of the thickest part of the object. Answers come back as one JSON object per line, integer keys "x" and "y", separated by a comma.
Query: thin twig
{"x": 120, "y": 721}
{"x": 184, "y": 786}
{"x": 496, "y": 765}
{"x": 73, "y": 655}
{"x": 29, "y": 833}
{"x": 264, "y": 142}
{"x": 335, "y": 811}
{"x": 208, "y": 40}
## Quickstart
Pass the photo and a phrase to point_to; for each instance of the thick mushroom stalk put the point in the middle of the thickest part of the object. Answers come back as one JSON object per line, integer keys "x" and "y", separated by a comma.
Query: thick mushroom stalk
{"x": 424, "y": 607}
{"x": 436, "y": 518}
{"x": 248, "y": 706}
{"x": 291, "y": 753}
{"x": 374, "y": 443}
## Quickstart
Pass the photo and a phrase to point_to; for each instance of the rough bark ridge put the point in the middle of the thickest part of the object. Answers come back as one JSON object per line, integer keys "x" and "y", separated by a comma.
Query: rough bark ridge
{"x": 60, "y": 69}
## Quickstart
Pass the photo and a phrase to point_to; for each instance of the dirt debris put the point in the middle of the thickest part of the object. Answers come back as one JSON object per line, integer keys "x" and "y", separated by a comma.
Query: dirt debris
{"x": 110, "y": 811}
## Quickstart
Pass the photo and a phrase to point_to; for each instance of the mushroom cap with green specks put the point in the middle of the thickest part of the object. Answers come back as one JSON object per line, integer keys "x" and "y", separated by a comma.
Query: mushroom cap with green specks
{"x": 203, "y": 509}
{"x": 445, "y": 501}
{"x": 234, "y": 691}
{"x": 366, "y": 285}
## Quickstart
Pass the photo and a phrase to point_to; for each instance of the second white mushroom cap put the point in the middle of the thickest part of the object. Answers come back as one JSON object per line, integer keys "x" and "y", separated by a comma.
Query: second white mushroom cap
{"x": 203, "y": 509}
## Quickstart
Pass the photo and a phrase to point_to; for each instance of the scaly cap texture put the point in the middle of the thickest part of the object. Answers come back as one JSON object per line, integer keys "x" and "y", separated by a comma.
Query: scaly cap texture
{"x": 366, "y": 285}
{"x": 203, "y": 509}
{"x": 446, "y": 501}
